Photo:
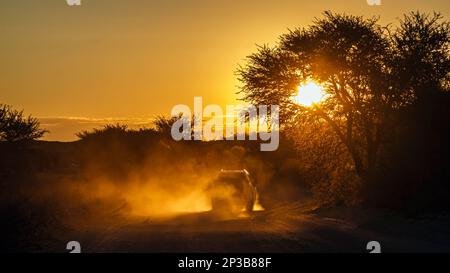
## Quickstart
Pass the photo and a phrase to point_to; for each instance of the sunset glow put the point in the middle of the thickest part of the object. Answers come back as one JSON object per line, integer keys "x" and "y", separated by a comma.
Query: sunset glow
{"x": 309, "y": 94}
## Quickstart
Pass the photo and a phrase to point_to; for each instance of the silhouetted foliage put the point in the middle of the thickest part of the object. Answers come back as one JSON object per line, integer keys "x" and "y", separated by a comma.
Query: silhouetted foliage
{"x": 15, "y": 127}
{"x": 163, "y": 125}
{"x": 345, "y": 54}
{"x": 370, "y": 73}
{"x": 421, "y": 60}
{"x": 107, "y": 130}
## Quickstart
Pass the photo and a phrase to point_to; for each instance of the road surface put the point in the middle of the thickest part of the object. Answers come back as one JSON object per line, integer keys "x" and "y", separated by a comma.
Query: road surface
{"x": 282, "y": 230}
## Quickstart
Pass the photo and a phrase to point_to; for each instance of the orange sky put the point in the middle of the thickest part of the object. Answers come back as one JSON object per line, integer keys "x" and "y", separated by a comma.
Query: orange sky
{"x": 137, "y": 58}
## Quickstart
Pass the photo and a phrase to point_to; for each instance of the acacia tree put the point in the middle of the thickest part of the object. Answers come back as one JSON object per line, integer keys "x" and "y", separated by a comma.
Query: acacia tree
{"x": 15, "y": 127}
{"x": 357, "y": 61}
{"x": 421, "y": 61}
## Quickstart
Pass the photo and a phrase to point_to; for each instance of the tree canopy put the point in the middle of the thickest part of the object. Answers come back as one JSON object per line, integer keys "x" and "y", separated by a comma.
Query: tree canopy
{"x": 368, "y": 71}
{"x": 14, "y": 126}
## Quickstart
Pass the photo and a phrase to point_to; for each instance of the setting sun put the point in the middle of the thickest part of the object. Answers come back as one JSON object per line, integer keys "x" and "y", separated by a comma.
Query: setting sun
{"x": 309, "y": 94}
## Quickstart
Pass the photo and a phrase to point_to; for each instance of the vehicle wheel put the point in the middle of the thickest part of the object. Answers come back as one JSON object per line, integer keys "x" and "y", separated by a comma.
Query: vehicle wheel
{"x": 250, "y": 204}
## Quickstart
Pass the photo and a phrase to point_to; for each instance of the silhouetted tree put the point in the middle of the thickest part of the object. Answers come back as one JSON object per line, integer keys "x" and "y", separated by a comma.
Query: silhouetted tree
{"x": 15, "y": 127}
{"x": 163, "y": 125}
{"x": 107, "y": 130}
{"x": 421, "y": 60}
{"x": 345, "y": 54}
{"x": 367, "y": 71}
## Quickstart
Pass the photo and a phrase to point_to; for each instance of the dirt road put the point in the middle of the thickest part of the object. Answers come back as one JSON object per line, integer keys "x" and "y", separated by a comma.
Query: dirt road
{"x": 285, "y": 229}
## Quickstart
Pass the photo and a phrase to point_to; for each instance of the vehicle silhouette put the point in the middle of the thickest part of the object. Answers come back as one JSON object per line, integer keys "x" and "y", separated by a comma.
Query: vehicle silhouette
{"x": 232, "y": 191}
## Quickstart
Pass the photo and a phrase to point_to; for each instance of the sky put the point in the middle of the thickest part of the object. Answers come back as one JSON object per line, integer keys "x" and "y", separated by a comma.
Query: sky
{"x": 78, "y": 67}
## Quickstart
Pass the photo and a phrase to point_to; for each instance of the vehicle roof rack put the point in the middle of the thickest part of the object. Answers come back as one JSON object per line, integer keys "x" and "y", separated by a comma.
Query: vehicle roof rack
{"x": 235, "y": 171}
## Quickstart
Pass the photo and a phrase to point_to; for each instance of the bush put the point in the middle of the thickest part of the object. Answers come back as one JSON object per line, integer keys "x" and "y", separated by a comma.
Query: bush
{"x": 107, "y": 130}
{"x": 325, "y": 164}
{"x": 15, "y": 127}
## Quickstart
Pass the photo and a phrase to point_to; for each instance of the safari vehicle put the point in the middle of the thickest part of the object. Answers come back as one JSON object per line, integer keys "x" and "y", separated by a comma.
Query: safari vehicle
{"x": 232, "y": 191}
